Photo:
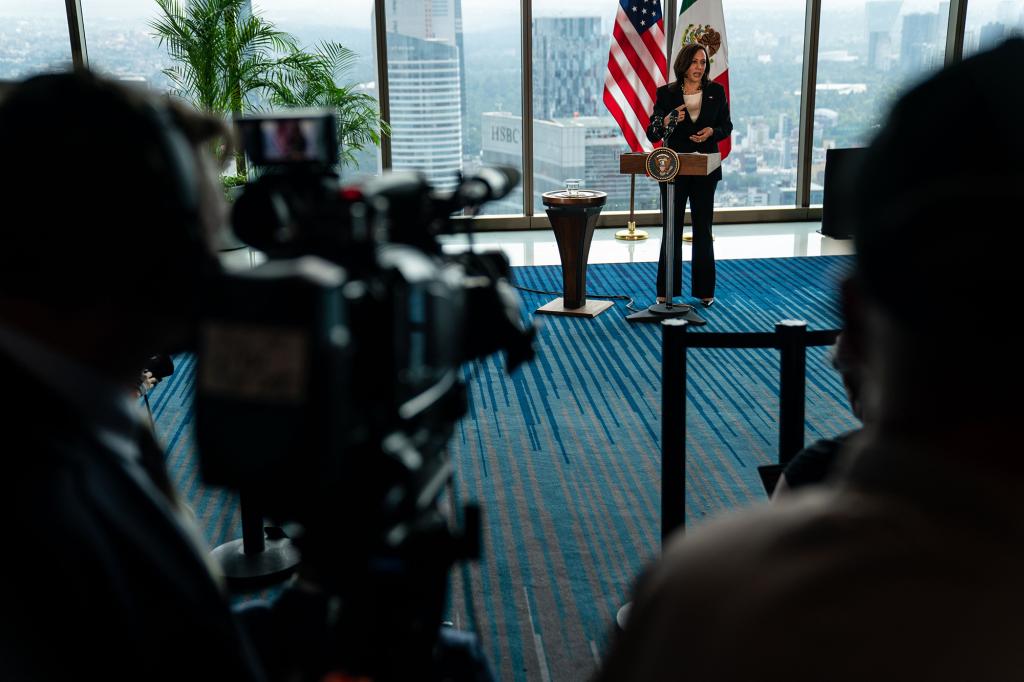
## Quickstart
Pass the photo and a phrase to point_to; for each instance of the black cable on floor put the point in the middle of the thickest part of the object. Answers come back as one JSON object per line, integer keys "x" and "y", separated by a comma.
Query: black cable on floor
{"x": 611, "y": 297}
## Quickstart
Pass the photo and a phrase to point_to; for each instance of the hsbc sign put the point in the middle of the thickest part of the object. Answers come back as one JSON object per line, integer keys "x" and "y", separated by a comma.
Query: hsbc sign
{"x": 506, "y": 134}
{"x": 502, "y": 133}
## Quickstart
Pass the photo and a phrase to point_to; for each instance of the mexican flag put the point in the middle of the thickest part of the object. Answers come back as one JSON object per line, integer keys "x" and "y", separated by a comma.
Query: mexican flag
{"x": 702, "y": 21}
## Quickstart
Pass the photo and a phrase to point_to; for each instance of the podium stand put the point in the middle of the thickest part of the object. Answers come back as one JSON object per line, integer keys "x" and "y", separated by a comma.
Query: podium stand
{"x": 633, "y": 163}
{"x": 573, "y": 218}
{"x": 663, "y": 165}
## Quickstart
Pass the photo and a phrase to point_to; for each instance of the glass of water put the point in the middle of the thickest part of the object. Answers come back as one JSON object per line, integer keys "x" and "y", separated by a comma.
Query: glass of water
{"x": 572, "y": 186}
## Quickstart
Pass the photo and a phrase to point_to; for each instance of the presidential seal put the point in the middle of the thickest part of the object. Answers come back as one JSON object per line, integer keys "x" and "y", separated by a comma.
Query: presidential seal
{"x": 663, "y": 164}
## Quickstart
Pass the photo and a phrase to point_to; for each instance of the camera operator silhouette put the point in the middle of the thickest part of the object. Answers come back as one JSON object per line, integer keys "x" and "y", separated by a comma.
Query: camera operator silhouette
{"x": 109, "y": 579}
{"x": 908, "y": 566}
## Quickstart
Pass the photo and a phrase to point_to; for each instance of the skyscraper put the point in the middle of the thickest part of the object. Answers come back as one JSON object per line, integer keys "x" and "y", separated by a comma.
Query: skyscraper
{"x": 427, "y": 87}
{"x": 991, "y": 35}
{"x": 586, "y": 147}
{"x": 917, "y": 41}
{"x": 943, "y": 24}
{"x": 881, "y": 16}
{"x": 568, "y": 66}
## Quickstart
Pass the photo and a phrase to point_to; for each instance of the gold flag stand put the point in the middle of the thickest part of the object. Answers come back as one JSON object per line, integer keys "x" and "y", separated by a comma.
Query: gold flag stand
{"x": 631, "y": 234}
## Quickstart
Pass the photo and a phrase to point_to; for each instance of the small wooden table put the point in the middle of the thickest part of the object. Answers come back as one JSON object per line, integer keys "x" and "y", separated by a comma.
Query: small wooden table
{"x": 573, "y": 219}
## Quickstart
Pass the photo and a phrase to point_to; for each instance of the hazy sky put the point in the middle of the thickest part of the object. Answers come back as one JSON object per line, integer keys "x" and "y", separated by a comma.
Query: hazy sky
{"x": 478, "y": 14}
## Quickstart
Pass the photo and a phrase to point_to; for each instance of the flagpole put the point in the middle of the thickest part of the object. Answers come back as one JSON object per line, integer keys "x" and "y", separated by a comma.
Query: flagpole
{"x": 669, "y": 15}
{"x": 526, "y": 17}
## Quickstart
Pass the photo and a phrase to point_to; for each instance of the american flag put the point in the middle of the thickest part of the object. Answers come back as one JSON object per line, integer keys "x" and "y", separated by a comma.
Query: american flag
{"x": 636, "y": 68}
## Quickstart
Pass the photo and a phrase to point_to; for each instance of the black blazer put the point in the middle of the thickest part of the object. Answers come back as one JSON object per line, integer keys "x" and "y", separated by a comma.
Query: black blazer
{"x": 101, "y": 584}
{"x": 714, "y": 114}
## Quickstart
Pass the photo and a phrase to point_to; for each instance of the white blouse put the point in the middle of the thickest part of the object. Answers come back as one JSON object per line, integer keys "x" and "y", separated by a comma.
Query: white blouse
{"x": 692, "y": 103}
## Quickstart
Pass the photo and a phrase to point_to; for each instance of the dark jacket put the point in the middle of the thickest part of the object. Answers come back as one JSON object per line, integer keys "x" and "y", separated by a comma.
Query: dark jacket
{"x": 101, "y": 583}
{"x": 714, "y": 113}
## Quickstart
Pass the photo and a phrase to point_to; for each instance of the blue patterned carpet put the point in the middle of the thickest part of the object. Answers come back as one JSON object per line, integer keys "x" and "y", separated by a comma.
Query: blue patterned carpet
{"x": 563, "y": 455}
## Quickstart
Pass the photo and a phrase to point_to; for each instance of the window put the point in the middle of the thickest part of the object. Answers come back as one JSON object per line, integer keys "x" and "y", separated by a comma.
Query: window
{"x": 349, "y": 23}
{"x": 121, "y": 43}
{"x": 454, "y": 80}
{"x": 870, "y": 53}
{"x": 765, "y": 44}
{"x": 33, "y": 38}
{"x": 494, "y": 94}
{"x": 990, "y": 22}
{"x": 574, "y": 134}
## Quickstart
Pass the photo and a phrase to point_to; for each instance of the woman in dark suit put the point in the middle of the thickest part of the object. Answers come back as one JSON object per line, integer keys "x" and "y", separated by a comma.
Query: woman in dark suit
{"x": 699, "y": 110}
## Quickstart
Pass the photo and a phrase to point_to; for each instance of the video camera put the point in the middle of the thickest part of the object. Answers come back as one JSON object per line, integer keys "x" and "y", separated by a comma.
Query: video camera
{"x": 329, "y": 378}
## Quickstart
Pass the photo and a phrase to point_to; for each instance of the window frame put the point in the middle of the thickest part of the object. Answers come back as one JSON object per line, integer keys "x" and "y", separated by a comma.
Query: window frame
{"x": 801, "y": 211}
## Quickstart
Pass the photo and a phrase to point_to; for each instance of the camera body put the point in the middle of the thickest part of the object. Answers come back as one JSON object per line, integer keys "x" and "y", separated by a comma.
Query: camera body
{"x": 329, "y": 382}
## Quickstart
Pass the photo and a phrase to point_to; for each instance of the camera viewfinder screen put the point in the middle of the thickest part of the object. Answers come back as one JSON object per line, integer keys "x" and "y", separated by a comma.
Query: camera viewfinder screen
{"x": 272, "y": 141}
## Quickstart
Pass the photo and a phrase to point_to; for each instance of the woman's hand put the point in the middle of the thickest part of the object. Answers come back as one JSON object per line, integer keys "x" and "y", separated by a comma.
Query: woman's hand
{"x": 702, "y": 135}
{"x": 680, "y": 111}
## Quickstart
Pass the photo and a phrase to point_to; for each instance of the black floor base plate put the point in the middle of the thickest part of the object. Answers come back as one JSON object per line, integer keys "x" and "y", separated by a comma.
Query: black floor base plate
{"x": 648, "y": 316}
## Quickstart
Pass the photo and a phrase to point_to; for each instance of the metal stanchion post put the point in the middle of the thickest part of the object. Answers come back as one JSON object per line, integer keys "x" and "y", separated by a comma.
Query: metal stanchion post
{"x": 792, "y": 386}
{"x": 673, "y": 435}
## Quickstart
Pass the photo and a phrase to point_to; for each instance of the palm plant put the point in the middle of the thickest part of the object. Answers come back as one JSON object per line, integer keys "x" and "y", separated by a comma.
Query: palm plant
{"x": 358, "y": 122}
{"x": 227, "y": 61}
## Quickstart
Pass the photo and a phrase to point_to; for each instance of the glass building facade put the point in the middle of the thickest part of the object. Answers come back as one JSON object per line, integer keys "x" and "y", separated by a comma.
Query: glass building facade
{"x": 455, "y": 77}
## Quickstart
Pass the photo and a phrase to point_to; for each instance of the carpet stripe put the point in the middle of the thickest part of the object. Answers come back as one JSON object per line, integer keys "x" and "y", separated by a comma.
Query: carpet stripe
{"x": 564, "y": 455}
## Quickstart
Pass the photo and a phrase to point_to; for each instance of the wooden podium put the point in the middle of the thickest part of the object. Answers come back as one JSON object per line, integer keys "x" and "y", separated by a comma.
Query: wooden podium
{"x": 664, "y": 165}
{"x": 689, "y": 164}
{"x": 634, "y": 163}
{"x": 573, "y": 218}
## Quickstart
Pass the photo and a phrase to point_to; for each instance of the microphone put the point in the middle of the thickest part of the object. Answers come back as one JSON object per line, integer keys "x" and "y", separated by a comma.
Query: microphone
{"x": 673, "y": 120}
{"x": 489, "y": 183}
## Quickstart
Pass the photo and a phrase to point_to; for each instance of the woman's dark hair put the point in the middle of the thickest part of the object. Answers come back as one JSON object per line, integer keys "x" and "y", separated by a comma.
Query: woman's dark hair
{"x": 683, "y": 61}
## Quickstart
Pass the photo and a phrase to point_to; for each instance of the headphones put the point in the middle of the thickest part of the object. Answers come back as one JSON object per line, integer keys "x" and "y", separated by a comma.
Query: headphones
{"x": 180, "y": 202}
{"x": 177, "y": 210}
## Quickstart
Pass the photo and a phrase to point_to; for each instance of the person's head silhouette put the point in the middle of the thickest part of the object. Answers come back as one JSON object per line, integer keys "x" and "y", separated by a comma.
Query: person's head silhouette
{"x": 111, "y": 201}
{"x": 937, "y": 272}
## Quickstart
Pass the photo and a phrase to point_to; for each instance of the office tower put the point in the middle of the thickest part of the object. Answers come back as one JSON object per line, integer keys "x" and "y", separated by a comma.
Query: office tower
{"x": 917, "y": 41}
{"x": 460, "y": 45}
{"x": 991, "y": 35}
{"x": 787, "y": 141}
{"x": 426, "y": 115}
{"x": 943, "y": 24}
{"x": 502, "y": 143}
{"x": 825, "y": 121}
{"x": 757, "y": 133}
{"x": 586, "y": 147}
{"x": 435, "y": 20}
{"x": 785, "y": 125}
{"x": 881, "y": 18}
{"x": 427, "y": 87}
{"x": 569, "y": 57}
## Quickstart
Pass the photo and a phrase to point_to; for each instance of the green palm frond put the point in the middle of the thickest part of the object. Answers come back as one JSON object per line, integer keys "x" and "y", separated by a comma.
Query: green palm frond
{"x": 225, "y": 63}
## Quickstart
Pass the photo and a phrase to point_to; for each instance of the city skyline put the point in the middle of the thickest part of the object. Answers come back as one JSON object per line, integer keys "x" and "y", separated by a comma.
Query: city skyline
{"x": 481, "y": 14}
{"x": 480, "y": 79}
